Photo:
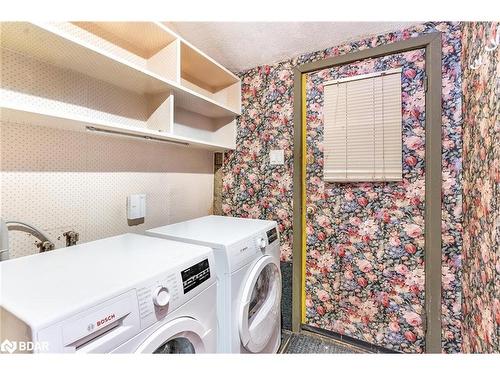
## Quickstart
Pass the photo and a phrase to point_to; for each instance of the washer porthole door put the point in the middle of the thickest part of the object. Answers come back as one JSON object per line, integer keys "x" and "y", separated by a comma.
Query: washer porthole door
{"x": 176, "y": 345}
{"x": 260, "y": 308}
{"x": 180, "y": 336}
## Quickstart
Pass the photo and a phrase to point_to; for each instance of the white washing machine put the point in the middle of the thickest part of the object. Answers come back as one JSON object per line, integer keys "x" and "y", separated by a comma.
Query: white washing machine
{"x": 126, "y": 294}
{"x": 249, "y": 278}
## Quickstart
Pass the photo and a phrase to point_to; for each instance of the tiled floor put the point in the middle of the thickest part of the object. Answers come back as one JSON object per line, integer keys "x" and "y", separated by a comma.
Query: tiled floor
{"x": 307, "y": 342}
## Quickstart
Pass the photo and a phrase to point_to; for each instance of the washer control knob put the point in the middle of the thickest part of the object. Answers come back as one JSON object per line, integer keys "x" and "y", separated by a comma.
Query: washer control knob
{"x": 261, "y": 243}
{"x": 161, "y": 296}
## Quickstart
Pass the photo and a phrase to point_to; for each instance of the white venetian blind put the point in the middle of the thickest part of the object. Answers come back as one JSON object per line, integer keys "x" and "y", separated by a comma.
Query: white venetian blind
{"x": 362, "y": 128}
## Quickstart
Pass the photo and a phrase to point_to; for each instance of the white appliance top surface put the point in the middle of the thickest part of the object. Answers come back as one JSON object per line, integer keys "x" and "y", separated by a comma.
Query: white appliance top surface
{"x": 42, "y": 287}
{"x": 214, "y": 231}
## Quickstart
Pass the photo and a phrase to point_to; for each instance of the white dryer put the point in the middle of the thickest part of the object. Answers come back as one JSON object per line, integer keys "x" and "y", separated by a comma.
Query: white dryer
{"x": 249, "y": 278}
{"x": 127, "y": 294}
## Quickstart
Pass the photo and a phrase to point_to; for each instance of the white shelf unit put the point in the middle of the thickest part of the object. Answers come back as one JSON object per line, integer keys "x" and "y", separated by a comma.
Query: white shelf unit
{"x": 208, "y": 78}
{"x": 137, "y": 64}
{"x": 54, "y": 119}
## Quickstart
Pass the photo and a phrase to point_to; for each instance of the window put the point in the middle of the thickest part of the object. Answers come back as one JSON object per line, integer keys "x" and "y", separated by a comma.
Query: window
{"x": 362, "y": 128}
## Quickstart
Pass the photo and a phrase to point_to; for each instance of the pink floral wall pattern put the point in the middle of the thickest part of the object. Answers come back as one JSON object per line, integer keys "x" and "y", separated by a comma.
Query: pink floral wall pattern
{"x": 365, "y": 241}
{"x": 253, "y": 188}
{"x": 481, "y": 275}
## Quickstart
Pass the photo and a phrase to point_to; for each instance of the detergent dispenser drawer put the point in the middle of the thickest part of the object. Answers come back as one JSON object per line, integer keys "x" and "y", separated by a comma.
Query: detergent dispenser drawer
{"x": 99, "y": 329}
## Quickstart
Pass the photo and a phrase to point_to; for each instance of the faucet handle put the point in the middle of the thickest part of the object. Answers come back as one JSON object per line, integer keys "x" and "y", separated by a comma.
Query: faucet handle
{"x": 72, "y": 237}
{"x": 45, "y": 246}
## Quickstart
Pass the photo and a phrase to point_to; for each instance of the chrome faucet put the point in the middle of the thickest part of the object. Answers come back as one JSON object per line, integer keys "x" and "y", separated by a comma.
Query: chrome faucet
{"x": 4, "y": 241}
{"x": 44, "y": 245}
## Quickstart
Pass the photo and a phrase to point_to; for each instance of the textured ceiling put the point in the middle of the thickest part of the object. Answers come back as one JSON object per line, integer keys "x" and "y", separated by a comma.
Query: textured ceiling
{"x": 243, "y": 45}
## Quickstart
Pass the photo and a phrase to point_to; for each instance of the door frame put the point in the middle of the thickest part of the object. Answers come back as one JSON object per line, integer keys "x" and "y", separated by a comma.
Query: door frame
{"x": 433, "y": 169}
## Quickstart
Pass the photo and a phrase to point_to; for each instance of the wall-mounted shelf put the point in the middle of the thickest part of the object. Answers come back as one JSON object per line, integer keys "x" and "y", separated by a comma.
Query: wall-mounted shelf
{"x": 54, "y": 119}
{"x": 144, "y": 39}
{"x": 145, "y": 58}
{"x": 208, "y": 78}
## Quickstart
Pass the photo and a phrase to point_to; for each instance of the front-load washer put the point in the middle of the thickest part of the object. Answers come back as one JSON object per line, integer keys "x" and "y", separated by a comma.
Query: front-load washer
{"x": 127, "y": 294}
{"x": 249, "y": 278}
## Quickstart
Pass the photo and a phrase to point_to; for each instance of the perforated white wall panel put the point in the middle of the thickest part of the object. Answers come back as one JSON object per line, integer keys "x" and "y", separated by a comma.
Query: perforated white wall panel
{"x": 59, "y": 180}
{"x": 27, "y": 81}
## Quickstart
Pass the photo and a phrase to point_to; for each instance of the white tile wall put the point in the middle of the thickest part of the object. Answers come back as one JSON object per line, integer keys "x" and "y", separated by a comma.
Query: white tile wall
{"x": 58, "y": 180}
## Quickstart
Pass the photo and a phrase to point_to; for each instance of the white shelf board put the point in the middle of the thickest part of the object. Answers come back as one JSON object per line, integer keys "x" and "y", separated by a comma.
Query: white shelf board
{"x": 229, "y": 76}
{"x": 49, "y": 44}
{"x": 144, "y": 39}
{"x": 28, "y": 115}
{"x": 203, "y": 70}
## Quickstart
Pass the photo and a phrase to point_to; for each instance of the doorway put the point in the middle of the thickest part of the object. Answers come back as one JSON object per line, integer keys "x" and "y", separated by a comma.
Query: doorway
{"x": 370, "y": 252}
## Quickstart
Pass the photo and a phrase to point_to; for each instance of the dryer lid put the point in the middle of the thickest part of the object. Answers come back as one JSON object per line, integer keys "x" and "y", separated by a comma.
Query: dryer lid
{"x": 214, "y": 231}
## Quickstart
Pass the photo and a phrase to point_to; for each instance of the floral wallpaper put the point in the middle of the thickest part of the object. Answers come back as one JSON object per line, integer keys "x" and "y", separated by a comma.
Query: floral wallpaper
{"x": 253, "y": 188}
{"x": 365, "y": 241}
{"x": 481, "y": 268}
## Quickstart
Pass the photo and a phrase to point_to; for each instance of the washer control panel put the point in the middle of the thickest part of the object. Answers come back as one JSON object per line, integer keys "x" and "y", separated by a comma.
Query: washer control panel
{"x": 163, "y": 295}
{"x": 195, "y": 275}
{"x": 158, "y": 298}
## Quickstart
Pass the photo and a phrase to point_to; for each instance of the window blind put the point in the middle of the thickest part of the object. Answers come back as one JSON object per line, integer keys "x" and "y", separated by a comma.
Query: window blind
{"x": 362, "y": 128}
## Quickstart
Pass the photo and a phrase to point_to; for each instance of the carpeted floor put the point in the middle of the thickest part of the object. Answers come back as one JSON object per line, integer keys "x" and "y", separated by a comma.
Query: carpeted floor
{"x": 307, "y": 342}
